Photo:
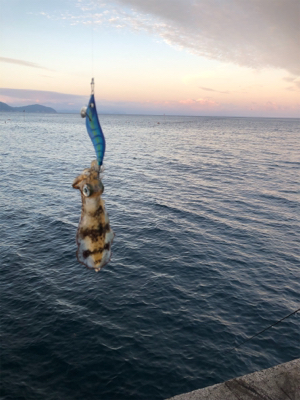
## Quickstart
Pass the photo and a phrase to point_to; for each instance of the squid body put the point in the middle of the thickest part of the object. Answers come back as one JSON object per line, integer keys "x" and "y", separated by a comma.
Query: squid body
{"x": 94, "y": 235}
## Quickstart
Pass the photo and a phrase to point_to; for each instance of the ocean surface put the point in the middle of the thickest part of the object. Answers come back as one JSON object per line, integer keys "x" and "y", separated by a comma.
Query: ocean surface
{"x": 207, "y": 253}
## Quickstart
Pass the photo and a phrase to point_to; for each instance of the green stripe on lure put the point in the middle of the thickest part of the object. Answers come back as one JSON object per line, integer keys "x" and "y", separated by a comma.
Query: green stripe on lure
{"x": 93, "y": 127}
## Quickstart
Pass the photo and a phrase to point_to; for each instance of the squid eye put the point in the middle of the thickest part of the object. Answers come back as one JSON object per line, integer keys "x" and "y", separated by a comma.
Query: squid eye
{"x": 87, "y": 190}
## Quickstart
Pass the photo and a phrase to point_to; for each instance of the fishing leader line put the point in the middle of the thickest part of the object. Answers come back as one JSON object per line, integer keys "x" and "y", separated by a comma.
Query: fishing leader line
{"x": 258, "y": 333}
{"x": 92, "y": 55}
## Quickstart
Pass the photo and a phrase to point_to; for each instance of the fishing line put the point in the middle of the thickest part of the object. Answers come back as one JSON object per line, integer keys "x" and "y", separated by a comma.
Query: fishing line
{"x": 92, "y": 44}
{"x": 258, "y": 333}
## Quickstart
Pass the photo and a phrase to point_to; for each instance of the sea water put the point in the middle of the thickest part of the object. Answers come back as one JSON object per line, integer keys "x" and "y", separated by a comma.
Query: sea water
{"x": 206, "y": 254}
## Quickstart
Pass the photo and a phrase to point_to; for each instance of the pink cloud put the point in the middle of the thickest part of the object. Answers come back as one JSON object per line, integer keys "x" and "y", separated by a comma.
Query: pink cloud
{"x": 64, "y": 102}
{"x": 200, "y": 102}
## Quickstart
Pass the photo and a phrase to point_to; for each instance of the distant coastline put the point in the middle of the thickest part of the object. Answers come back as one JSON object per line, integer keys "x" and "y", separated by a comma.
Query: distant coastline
{"x": 34, "y": 108}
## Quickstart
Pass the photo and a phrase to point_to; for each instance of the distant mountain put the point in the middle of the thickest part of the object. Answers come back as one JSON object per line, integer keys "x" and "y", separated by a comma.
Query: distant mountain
{"x": 35, "y": 108}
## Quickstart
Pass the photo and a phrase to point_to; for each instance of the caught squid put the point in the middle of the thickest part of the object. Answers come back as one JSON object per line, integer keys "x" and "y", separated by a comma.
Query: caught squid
{"x": 94, "y": 235}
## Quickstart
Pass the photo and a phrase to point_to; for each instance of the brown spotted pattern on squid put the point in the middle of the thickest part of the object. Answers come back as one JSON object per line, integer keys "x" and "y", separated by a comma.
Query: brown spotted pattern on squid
{"x": 94, "y": 235}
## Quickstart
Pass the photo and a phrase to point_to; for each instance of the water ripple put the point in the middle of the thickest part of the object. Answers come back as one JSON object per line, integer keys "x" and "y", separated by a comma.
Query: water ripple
{"x": 206, "y": 254}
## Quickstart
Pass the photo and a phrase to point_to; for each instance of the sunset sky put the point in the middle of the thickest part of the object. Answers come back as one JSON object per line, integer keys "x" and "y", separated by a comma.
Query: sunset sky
{"x": 185, "y": 57}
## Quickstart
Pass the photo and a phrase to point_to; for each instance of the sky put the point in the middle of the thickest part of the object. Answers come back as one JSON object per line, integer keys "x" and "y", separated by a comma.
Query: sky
{"x": 173, "y": 57}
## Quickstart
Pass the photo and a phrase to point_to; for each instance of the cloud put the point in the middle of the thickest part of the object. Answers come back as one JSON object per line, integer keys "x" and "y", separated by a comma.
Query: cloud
{"x": 59, "y": 101}
{"x": 63, "y": 102}
{"x": 206, "y": 103}
{"x": 22, "y": 62}
{"x": 213, "y": 90}
{"x": 251, "y": 33}
{"x": 294, "y": 81}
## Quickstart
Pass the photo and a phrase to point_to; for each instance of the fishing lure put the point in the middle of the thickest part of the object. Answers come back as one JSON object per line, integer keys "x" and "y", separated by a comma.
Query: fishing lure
{"x": 94, "y": 234}
{"x": 93, "y": 126}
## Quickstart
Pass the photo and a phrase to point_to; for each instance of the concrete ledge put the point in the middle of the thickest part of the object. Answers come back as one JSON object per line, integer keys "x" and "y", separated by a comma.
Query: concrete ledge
{"x": 278, "y": 383}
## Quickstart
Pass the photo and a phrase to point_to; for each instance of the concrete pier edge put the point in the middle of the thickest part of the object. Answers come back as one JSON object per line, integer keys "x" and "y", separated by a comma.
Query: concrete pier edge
{"x": 281, "y": 382}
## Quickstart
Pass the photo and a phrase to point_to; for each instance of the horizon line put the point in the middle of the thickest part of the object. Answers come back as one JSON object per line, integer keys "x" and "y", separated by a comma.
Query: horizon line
{"x": 146, "y": 115}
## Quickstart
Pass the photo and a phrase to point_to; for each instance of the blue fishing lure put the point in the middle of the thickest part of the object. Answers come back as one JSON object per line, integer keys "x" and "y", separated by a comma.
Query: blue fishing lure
{"x": 94, "y": 128}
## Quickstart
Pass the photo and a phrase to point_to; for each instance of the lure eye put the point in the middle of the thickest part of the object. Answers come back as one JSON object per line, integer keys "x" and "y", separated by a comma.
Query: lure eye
{"x": 87, "y": 190}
